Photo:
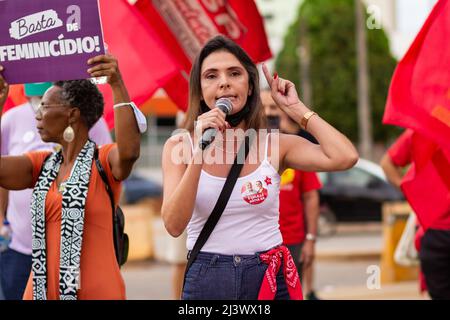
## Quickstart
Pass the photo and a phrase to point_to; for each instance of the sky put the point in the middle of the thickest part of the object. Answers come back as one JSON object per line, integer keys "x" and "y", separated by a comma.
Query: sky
{"x": 412, "y": 14}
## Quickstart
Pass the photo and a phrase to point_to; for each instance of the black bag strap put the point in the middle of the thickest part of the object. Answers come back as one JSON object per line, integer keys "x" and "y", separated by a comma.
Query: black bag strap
{"x": 221, "y": 203}
{"x": 102, "y": 173}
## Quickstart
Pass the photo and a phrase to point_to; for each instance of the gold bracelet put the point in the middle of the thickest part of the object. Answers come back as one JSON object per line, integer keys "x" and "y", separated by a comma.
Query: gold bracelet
{"x": 305, "y": 119}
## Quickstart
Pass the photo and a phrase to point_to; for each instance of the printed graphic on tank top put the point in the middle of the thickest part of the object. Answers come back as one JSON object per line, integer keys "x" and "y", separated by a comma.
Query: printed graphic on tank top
{"x": 256, "y": 195}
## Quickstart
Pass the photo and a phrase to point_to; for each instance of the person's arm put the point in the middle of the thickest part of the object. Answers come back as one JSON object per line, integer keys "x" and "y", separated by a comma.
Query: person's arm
{"x": 181, "y": 173}
{"x": 128, "y": 137}
{"x": 3, "y": 203}
{"x": 4, "y": 141}
{"x": 15, "y": 172}
{"x": 180, "y": 183}
{"x": 311, "y": 211}
{"x": 393, "y": 172}
{"x": 334, "y": 152}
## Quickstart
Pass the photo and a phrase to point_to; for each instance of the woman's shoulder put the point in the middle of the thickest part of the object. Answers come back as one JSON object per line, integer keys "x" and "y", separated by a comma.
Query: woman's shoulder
{"x": 104, "y": 151}
{"x": 103, "y": 154}
{"x": 178, "y": 149}
{"x": 106, "y": 148}
{"x": 180, "y": 136}
{"x": 38, "y": 157}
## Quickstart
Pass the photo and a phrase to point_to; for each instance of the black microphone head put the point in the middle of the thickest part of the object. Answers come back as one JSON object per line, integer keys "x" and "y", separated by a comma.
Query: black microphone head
{"x": 225, "y": 105}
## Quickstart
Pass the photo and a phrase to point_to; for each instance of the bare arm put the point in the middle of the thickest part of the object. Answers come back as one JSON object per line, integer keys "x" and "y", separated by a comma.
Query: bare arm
{"x": 334, "y": 152}
{"x": 311, "y": 211}
{"x": 15, "y": 172}
{"x": 181, "y": 173}
{"x": 3, "y": 203}
{"x": 128, "y": 137}
{"x": 180, "y": 183}
{"x": 393, "y": 172}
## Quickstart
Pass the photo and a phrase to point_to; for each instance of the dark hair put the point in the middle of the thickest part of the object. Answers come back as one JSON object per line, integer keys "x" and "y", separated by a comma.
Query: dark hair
{"x": 255, "y": 118}
{"x": 85, "y": 96}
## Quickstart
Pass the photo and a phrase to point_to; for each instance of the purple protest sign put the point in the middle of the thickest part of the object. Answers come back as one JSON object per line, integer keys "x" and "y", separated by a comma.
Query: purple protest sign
{"x": 48, "y": 40}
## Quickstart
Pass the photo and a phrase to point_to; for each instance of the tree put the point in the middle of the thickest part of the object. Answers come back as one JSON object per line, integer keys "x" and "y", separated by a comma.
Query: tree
{"x": 328, "y": 28}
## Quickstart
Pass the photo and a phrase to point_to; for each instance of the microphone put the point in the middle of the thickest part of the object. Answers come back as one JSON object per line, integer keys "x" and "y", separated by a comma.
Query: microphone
{"x": 208, "y": 136}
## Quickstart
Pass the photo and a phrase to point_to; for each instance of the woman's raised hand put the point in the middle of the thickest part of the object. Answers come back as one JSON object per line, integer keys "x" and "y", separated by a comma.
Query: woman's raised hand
{"x": 283, "y": 91}
{"x": 4, "y": 89}
{"x": 106, "y": 66}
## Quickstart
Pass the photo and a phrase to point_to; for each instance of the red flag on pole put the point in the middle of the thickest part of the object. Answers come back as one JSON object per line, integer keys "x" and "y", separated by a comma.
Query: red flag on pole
{"x": 186, "y": 25}
{"x": 419, "y": 96}
{"x": 144, "y": 60}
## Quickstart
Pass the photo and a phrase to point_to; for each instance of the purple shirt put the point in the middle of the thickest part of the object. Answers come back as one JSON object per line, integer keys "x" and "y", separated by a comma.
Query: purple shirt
{"x": 19, "y": 135}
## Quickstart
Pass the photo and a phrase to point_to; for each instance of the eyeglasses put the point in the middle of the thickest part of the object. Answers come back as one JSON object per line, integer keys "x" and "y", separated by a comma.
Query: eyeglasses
{"x": 44, "y": 107}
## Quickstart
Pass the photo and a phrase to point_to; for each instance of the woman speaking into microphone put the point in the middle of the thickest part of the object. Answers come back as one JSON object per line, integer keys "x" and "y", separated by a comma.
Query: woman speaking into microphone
{"x": 234, "y": 241}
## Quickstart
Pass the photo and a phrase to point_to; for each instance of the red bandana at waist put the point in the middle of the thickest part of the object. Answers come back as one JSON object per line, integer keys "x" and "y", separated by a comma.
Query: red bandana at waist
{"x": 274, "y": 258}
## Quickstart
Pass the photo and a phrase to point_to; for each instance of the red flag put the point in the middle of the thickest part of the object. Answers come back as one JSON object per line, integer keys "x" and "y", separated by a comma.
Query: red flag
{"x": 186, "y": 25}
{"x": 419, "y": 96}
{"x": 427, "y": 183}
{"x": 144, "y": 60}
{"x": 16, "y": 97}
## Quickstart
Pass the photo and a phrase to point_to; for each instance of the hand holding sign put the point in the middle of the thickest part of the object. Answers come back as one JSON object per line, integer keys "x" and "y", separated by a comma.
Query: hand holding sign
{"x": 105, "y": 66}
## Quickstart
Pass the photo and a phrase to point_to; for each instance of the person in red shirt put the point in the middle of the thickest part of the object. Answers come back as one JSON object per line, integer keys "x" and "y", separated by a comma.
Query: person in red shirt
{"x": 299, "y": 199}
{"x": 397, "y": 157}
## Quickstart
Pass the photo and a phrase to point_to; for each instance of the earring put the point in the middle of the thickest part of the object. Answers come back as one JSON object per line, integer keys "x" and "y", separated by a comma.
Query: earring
{"x": 68, "y": 134}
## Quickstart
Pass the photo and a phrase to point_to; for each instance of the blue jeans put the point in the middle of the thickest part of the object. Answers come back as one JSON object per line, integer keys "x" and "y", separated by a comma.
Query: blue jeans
{"x": 1, "y": 291}
{"x": 225, "y": 277}
{"x": 15, "y": 269}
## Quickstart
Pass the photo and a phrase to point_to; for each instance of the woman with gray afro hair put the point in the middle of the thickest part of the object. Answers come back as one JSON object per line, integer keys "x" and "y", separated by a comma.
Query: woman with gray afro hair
{"x": 74, "y": 255}
{"x": 84, "y": 95}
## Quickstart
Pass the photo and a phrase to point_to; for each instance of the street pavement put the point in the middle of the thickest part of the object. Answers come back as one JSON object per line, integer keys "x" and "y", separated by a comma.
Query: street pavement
{"x": 343, "y": 269}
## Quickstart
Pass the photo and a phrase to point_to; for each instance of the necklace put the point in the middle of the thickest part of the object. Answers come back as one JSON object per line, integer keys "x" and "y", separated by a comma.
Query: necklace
{"x": 225, "y": 140}
{"x": 62, "y": 187}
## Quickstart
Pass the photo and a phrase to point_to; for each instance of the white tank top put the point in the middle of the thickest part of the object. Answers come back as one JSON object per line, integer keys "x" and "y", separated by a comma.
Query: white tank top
{"x": 249, "y": 223}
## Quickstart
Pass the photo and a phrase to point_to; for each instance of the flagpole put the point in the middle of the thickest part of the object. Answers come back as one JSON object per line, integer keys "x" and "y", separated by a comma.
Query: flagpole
{"x": 303, "y": 52}
{"x": 364, "y": 112}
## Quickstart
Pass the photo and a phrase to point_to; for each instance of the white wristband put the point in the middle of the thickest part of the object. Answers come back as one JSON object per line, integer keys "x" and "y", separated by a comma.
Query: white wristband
{"x": 140, "y": 118}
{"x": 118, "y": 105}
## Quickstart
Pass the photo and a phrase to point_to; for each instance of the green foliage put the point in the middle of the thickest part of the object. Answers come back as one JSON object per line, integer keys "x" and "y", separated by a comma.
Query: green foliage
{"x": 331, "y": 36}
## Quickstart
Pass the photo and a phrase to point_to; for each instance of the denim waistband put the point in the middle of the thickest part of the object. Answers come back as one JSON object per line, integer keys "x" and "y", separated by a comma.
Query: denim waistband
{"x": 235, "y": 259}
{"x": 217, "y": 258}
